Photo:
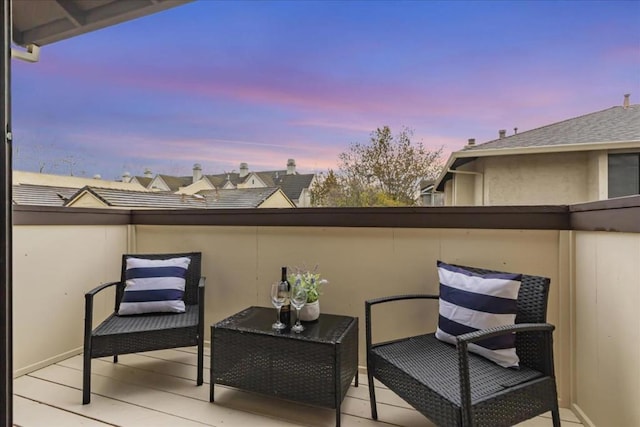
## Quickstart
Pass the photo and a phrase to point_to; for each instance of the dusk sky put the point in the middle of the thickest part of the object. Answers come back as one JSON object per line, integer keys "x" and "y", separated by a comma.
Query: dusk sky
{"x": 219, "y": 83}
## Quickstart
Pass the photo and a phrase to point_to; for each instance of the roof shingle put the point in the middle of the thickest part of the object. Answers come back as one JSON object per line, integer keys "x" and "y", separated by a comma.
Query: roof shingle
{"x": 615, "y": 124}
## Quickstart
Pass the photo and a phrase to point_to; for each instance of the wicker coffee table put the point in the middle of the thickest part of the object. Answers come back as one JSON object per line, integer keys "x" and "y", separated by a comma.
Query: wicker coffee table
{"x": 314, "y": 367}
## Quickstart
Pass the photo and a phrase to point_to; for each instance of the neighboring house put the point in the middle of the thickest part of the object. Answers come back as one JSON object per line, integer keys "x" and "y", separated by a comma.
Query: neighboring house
{"x": 169, "y": 183}
{"x": 586, "y": 158}
{"x": 92, "y": 197}
{"x": 49, "y": 180}
{"x": 41, "y": 195}
{"x": 428, "y": 194}
{"x": 296, "y": 186}
{"x": 41, "y": 189}
{"x": 142, "y": 180}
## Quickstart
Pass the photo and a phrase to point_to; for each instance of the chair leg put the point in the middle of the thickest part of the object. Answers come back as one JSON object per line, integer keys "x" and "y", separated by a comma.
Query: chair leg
{"x": 115, "y": 358}
{"x": 555, "y": 416}
{"x": 200, "y": 379}
{"x": 86, "y": 378}
{"x": 372, "y": 395}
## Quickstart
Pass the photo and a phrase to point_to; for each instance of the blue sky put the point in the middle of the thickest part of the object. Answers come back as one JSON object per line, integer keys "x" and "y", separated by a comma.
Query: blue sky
{"x": 220, "y": 82}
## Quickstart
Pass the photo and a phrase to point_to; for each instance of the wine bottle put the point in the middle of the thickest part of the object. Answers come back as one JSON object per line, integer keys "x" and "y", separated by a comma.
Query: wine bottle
{"x": 285, "y": 288}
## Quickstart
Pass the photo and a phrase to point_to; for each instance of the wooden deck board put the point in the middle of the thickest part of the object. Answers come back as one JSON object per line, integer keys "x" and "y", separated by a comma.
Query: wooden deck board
{"x": 158, "y": 388}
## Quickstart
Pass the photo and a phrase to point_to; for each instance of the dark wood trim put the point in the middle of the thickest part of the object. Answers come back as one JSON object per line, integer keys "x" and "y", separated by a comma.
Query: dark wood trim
{"x": 48, "y": 215}
{"x": 621, "y": 214}
{"x": 489, "y": 217}
{"x": 543, "y": 217}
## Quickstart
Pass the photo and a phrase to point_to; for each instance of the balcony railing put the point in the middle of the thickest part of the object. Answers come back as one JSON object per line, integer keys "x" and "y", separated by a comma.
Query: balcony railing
{"x": 365, "y": 253}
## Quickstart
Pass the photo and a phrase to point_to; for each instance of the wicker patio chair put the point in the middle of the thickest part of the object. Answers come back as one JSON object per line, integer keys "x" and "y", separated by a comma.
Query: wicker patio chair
{"x": 145, "y": 332}
{"x": 453, "y": 387}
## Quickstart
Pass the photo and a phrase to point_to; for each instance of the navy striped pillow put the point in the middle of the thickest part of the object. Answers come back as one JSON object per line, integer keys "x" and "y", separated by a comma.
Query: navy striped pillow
{"x": 471, "y": 302}
{"x": 154, "y": 285}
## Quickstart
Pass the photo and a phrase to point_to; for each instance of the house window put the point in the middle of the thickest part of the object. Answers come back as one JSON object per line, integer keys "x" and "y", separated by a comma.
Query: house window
{"x": 624, "y": 174}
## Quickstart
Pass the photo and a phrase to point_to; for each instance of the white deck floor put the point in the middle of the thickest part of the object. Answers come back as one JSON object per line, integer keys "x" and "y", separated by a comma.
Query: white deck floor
{"x": 158, "y": 388}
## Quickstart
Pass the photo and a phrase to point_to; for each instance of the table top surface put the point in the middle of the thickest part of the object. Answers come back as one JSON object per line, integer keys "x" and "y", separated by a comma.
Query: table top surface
{"x": 329, "y": 328}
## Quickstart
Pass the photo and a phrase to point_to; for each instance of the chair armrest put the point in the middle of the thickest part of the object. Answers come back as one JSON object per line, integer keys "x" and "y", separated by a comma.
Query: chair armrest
{"x": 88, "y": 311}
{"x": 369, "y": 303}
{"x": 472, "y": 337}
{"x": 399, "y": 298}
{"x": 462, "y": 342}
{"x": 99, "y": 288}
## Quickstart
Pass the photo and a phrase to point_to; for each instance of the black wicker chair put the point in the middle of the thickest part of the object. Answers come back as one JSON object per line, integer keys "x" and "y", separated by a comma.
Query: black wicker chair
{"x": 453, "y": 387}
{"x": 145, "y": 332}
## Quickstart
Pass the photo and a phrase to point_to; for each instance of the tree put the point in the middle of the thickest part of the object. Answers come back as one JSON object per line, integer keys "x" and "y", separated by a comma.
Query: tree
{"x": 385, "y": 172}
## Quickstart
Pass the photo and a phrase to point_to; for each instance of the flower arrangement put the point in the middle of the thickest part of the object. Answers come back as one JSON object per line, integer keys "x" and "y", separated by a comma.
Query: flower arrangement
{"x": 310, "y": 281}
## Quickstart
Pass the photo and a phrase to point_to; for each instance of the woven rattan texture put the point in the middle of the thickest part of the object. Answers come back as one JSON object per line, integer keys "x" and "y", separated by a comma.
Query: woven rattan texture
{"x": 147, "y": 322}
{"x": 133, "y": 334}
{"x": 304, "y": 370}
{"x": 517, "y": 404}
{"x": 143, "y": 341}
{"x": 434, "y": 364}
{"x": 426, "y": 372}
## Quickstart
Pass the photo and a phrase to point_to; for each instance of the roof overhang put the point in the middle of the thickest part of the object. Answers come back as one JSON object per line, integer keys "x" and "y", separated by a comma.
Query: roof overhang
{"x": 42, "y": 22}
{"x": 459, "y": 158}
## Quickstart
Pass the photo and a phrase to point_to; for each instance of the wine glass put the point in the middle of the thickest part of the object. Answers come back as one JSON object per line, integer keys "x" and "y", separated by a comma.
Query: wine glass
{"x": 298, "y": 299}
{"x": 277, "y": 299}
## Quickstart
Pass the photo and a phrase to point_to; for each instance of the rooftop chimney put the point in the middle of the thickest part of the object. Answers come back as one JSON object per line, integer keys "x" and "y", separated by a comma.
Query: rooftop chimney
{"x": 197, "y": 172}
{"x": 147, "y": 173}
{"x": 126, "y": 177}
{"x": 97, "y": 176}
{"x": 515, "y": 131}
{"x": 291, "y": 167}
{"x": 625, "y": 104}
{"x": 244, "y": 170}
{"x": 502, "y": 133}
{"x": 471, "y": 142}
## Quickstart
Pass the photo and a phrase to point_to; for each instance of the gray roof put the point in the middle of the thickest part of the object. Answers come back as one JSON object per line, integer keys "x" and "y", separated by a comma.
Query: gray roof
{"x": 144, "y": 180}
{"x": 292, "y": 185}
{"x": 209, "y": 199}
{"x": 175, "y": 182}
{"x": 41, "y": 195}
{"x": 238, "y": 198}
{"x": 615, "y": 124}
{"x": 268, "y": 177}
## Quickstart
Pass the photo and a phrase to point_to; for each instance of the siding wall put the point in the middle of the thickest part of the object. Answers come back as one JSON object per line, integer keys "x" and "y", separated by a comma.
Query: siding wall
{"x": 53, "y": 266}
{"x": 607, "y": 328}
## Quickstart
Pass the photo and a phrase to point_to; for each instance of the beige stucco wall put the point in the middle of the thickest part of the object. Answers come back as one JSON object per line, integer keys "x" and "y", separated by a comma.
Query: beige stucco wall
{"x": 53, "y": 266}
{"x": 534, "y": 179}
{"x": 559, "y": 178}
{"x": 607, "y": 331}
{"x": 597, "y": 175}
